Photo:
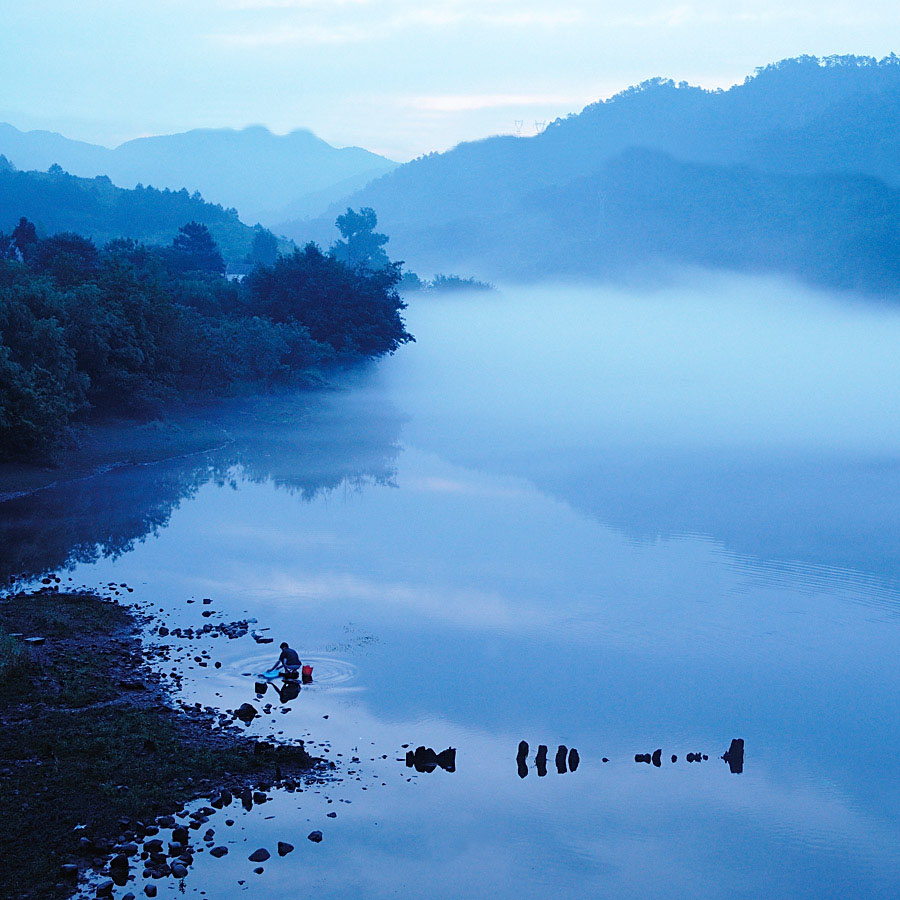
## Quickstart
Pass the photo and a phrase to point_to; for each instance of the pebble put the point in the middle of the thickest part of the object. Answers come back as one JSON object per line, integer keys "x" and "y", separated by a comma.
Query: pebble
{"x": 315, "y": 837}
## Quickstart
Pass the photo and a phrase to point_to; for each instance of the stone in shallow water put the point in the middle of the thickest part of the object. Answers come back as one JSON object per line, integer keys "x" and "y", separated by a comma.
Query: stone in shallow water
{"x": 315, "y": 836}
{"x": 284, "y": 848}
{"x": 246, "y": 712}
{"x": 218, "y": 852}
{"x": 260, "y": 855}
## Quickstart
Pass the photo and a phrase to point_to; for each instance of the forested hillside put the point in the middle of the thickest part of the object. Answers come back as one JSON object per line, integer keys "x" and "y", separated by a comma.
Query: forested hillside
{"x": 795, "y": 170}
{"x": 93, "y": 207}
{"x": 125, "y": 328}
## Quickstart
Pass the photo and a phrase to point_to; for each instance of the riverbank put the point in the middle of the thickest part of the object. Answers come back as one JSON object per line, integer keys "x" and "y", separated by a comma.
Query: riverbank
{"x": 93, "y": 759}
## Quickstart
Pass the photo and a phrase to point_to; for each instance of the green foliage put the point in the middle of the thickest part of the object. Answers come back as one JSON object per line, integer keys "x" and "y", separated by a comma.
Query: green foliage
{"x": 58, "y": 202}
{"x": 353, "y": 311}
{"x": 128, "y": 328}
{"x": 362, "y": 247}
{"x": 13, "y": 661}
{"x": 264, "y": 250}
{"x": 194, "y": 250}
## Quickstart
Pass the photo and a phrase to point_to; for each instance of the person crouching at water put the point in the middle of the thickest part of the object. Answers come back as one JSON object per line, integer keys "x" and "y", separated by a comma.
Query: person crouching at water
{"x": 289, "y": 661}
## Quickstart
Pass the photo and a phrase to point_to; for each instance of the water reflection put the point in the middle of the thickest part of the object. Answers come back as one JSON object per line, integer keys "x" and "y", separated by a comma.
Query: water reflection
{"x": 425, "y": 759}
{"x": 305, "y": 445}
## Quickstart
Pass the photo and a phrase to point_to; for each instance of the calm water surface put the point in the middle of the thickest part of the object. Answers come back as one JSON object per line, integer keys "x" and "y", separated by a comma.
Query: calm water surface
{"x": 614, "y": 521}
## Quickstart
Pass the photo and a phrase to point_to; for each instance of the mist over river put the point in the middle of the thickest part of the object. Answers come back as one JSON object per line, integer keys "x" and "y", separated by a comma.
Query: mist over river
{"x": 616, "y": 520}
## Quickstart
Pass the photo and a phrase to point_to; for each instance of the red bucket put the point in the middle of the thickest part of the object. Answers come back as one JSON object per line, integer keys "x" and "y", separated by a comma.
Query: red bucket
{"x": 307, "y": 673}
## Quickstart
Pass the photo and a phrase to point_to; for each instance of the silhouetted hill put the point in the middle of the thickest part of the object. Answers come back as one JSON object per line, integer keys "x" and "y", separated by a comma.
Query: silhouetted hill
{"x": 793, "y": 170}
{"x": 56, "y": 201}
{"x": 267, "y": 177}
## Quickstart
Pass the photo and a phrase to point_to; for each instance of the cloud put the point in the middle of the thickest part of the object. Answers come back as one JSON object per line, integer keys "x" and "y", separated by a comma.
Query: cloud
{"x": 451, "y": 103}
{"x": 311, "y": 22}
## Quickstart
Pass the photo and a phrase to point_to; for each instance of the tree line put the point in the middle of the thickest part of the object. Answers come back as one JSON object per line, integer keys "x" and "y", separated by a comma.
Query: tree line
{"x": 125, "y": 328}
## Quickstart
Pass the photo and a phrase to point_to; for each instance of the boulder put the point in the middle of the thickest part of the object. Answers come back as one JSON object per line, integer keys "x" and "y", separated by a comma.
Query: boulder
{"x": 246, "y": 712}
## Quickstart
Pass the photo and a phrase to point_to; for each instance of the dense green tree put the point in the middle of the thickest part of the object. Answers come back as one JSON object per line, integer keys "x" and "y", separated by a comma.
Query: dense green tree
{"x": 354, "y": 311}
{"x": 24, "y": 236}
{"x": 194, "y": 250}
{"x": 131, "y": 327}
{"x": 362, "y": 247}
{"x": 264, "y": 250}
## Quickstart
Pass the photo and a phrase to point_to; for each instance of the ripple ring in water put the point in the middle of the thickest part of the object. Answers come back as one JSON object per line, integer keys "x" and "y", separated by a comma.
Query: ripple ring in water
{"x": 327, "y": 670}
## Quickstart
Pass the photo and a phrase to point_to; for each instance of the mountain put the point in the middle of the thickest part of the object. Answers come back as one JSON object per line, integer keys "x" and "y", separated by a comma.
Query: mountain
{"x": 798, "y": 163}
{"x": 267, "y": 177}
{"x": 56, "y": 201}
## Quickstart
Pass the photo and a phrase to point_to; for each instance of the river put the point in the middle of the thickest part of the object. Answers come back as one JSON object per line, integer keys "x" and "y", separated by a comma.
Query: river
{"x": 613, "y": 519}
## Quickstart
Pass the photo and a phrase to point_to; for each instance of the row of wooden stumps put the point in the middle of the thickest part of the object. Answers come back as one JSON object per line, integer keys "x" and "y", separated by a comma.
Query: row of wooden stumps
{"x": 567, "y": 760}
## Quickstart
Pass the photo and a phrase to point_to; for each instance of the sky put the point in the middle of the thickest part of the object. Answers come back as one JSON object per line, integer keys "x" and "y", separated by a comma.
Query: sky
{"x": 398, "y": 77}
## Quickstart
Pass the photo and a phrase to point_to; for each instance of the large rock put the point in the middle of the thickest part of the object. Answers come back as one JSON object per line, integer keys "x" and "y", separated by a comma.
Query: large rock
{"x": 246, "y": 712}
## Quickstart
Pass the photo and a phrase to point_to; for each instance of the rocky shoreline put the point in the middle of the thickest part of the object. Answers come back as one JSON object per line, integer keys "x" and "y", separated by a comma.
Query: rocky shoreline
{"x": 97, "y": 766}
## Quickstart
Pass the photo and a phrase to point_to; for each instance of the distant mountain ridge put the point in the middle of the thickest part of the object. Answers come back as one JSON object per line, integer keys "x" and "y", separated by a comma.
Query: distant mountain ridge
{"x": 267, "y": 177}
{"x": 806, "y": 152}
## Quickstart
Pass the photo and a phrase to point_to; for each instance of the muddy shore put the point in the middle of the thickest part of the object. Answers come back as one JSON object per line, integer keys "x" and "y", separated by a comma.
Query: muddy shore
{"x": 96, "y": 765}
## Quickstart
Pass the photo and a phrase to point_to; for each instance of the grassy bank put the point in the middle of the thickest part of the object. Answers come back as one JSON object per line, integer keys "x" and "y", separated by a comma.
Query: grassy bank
{"x": 90, "y": 752}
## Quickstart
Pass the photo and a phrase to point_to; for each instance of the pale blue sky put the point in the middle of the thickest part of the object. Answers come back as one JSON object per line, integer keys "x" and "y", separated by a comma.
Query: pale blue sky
{"x": 396, "y": 76}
